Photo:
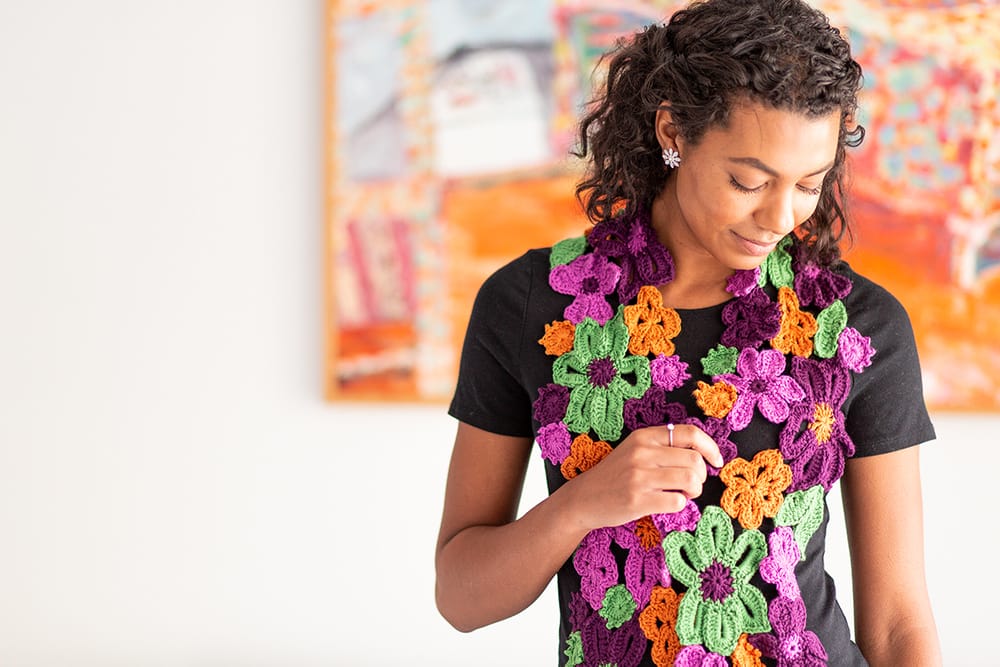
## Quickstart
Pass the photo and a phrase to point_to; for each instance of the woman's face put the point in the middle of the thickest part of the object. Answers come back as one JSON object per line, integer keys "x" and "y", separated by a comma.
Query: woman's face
{"x": 742, "y": 188}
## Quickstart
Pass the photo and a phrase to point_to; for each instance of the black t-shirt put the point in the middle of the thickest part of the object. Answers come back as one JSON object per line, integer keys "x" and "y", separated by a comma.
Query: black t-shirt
{"x": 503, "y": 366}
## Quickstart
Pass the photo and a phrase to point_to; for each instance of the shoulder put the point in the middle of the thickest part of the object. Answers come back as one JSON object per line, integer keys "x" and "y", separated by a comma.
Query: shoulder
{"x": 873, "y": 310}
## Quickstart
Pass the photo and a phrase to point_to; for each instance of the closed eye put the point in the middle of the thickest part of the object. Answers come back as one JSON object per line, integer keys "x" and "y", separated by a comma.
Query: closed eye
{"x": 744, "y": 189}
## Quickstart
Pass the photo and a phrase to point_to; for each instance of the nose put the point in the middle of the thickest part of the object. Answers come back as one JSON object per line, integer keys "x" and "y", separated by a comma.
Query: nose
{"x": 778, "y": 213}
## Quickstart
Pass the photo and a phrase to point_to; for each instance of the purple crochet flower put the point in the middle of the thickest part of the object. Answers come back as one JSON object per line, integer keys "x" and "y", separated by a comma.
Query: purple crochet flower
{"x": 589, "y": 278}
{"x": 760, "y": 384}
{"x": 750, "y": 320}
{"x": 669, "y": 372}
{"x": 596, "y": 565}
{"x": 790, "y": 644}
{"x": 743, "y": 282}
{"x": 697, "y": 656}
{"x": 854, "y": 350}
{"x": 817, "y": 286}
{"x": 633, "y": 244}
{"x": 555, "y": 442}
{"x": 652, "y": 409}
{"x": 551, "y": 404}
{"x": 719, "y": 430}
{"x": 814, "y": 441}
{"x": 623, "y": 647}
{"x": 778, "y": 567}
{"x": 687, "y": 519}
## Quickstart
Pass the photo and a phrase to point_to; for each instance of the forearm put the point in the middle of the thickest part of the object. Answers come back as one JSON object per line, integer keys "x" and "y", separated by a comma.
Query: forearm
{"x": 488, "y": 573}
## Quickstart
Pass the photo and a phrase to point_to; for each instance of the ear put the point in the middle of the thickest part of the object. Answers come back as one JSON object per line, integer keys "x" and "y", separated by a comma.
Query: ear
{"x": 666, "y": 131}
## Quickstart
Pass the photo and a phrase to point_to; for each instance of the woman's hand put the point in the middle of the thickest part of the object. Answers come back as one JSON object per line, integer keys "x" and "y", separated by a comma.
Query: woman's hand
{"x": 643, "y": 475}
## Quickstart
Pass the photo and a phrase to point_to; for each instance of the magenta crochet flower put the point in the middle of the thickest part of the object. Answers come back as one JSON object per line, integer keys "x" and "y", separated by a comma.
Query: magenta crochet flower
{"x": 760, "y": 384}
{"x": 778, "y": 567}
{"x": 633, "y": 244}
{"x": 686, "y": 519}
{"x": 697, "y": 656}
{"x": 652, "y": 409}
{"x": 589, "y": 278}
{"x": 743, "y": 282}
{"x": 669, "y": 372}
{"x": 854, "y": 350}
{"x": 596, "y": 565}
{"x": 818, "y": 286}
{"x": 550, "y": 406}
{"x": 750, "y": 320}
{"x": 814, "y": 441}
{"x": 555, "y": 442}
{"x": 790, "y": 643}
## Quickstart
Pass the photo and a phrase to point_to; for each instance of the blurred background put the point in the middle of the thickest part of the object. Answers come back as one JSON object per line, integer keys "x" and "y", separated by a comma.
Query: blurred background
{"x": 174, "y": 489}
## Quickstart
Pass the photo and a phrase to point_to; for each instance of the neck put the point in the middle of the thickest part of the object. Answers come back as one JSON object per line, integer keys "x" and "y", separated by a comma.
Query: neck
{"x": 700, "y": 281}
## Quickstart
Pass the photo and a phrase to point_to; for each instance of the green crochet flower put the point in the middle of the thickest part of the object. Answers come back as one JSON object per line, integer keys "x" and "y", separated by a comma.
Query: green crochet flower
{"x": 574, "y": 649}
{"x": 719, "y": 360}
{"x": 618, "y": 606}
{"x": 720, "y": 603}
{"x": 601, "y": 375}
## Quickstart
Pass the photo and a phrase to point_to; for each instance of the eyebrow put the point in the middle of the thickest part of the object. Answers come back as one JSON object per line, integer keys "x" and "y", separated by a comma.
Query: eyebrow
{"x": 757, "y": 164}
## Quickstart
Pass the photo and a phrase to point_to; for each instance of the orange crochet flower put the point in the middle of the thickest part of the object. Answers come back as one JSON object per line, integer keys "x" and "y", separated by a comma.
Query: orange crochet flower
{"x": 745, "y": 654}
{"x": 558, "y": 338}
{"x": 647, "y": 533}
{"x": 822, "y": 423}
{"x": 651, "y": 326}
{"x": 797, "y": 326}
{"x": 715, "y": 400}
{"x": 755, "y": 489}
{"x": 584, "y": 454}
{"x": 659, "y": 622}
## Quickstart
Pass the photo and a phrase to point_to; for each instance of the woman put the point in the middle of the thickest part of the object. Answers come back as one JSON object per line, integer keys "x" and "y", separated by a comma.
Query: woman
{"x": 698, "y": 371}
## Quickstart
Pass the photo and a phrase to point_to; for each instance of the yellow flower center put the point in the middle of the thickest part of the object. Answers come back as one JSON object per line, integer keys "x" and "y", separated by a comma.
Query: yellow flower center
{"x": 822, "y": 422}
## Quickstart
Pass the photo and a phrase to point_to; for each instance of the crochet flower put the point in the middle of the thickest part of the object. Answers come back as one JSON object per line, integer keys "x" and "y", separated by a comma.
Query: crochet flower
{"x": 554, "y": 442}
{"x": 854, "y": 350}
{"x": 550, "y": 406}
{"x": 558, "y": 338}
{"x": 588, "y": 278}
{"x": 601, "y": 376}
{"x": 617, "y": 607}
{"x": 651, "y": 326}
{"x": 797, "y": 326}
{"x": 754, "y": 489}
{"x": 633, "y": 244}
{"x": 760, "y": 384}
{"x": 658, "y": 622}
{"x": 668, "y": 372}
{"x": 750, "y": 320}
{"x": 697, "y": 656}
{"x": 778, "y": 567}
{"x": 742, "y": 282}
{"x": 687, "y": 519}
{"x": 652, "y": 409}
{"x": 596, "y": 565}
{"x": 790, "y": 644}
{"x": 720, "y": 359}
{"x": 818, "y": 286}
{"x": 720, "y": 603}
{"x": 622, "y": 647}
{"x": 584, "y": 454}
{"x": 715, "y": 400}
{"x": 815, "y": 441}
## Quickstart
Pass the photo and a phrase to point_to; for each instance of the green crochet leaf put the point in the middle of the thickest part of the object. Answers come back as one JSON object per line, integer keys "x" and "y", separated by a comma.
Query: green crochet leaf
{"x": 720, "y": 359}
{"x": 618, "y": 606}
{"x": 567, "y": 250}
{"x": 574, "y": 649}
{"x": 803, "y": 511}
{"x": 777, "y": 266}
{"x": 830, "y": 322}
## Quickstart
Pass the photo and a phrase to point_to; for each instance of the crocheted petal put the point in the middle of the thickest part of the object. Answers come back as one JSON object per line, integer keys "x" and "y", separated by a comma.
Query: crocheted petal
{"x": 688, "y": 630}
{"x": 683, "y": 559}
{"x": 605, "y": 413}
{"x": 752, "y": 608}
{"x": 773, "y": 406}
{"x": 593, "y": 306}
{"x": 788, "y": 388}
{"x": 745, "y": 554}
{"x": 643, "y": 569}
{"x": 769, "y": 364}
{"x": 741, "y": 414}
{"x": 570, "y": 370}
{"x": 607, "y": 274}
{"x": 788, "y": 617}
{"x": 686, "y": 519}
{"x": 813, "y": 653}
{"x": 554, "y": 442}
{"x": 691, "y": 656}
{"x": 746, "y": 364}
{"x": 638, "y": 369}
{"x": 720, "y": 626}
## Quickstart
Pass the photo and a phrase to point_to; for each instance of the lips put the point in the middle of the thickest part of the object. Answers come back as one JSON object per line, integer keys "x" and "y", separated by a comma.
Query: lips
{"x": 754, "y": 246}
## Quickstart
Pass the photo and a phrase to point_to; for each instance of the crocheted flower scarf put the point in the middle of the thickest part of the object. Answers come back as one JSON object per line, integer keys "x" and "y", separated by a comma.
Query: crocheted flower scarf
{"x": 686, "y": 594}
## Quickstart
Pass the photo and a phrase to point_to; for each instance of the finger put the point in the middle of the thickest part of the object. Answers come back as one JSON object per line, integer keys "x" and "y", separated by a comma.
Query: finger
{"x": 684, "y": 480}
{"x": 688, "y": 436}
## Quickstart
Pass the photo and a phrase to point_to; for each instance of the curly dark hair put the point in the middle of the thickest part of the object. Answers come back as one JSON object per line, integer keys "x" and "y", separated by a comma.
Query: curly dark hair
{"x": 709, "y": 56}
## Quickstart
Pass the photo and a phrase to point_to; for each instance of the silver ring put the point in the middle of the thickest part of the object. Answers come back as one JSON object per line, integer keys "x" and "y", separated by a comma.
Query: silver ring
{"x": 670, "y": 432}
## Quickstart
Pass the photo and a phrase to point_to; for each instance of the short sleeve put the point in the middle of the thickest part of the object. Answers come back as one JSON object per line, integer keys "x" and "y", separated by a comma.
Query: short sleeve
{"x": 887, "y": 411}
{"x": 489, "y": 393}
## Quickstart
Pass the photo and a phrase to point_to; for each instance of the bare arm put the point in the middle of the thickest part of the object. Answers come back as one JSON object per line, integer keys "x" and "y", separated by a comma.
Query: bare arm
{"x": 491, "y": 566}
{"x": 892, "y": 613}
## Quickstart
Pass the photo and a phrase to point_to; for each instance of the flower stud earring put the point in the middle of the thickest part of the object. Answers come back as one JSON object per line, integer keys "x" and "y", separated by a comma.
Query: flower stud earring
{"x": 671, "y": 158}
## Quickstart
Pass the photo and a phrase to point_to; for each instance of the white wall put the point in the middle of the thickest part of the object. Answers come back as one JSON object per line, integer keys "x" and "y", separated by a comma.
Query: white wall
{"x": 173, "y": 491}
